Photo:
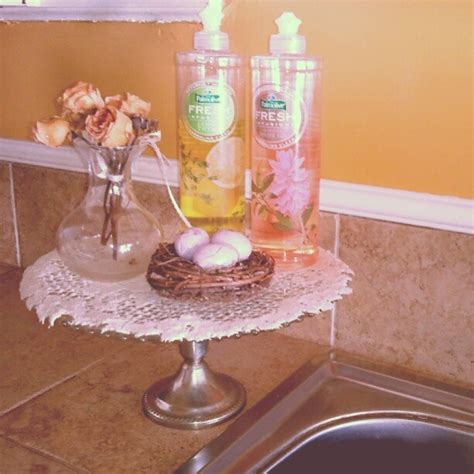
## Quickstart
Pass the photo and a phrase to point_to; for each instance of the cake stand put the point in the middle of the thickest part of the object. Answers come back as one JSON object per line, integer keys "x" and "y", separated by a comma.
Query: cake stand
{"x": 195, "y": 397}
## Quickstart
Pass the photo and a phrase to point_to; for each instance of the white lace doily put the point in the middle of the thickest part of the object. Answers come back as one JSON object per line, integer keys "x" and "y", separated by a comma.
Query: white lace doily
{"x": 133, "y": 308}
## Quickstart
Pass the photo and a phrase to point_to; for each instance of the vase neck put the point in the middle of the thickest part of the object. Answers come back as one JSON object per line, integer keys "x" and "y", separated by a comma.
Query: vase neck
{"x": 107, "y": 165}
{"x": 110, "y": 165}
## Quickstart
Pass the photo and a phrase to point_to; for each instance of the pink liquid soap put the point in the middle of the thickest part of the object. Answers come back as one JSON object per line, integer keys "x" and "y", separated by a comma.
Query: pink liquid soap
{"x": 285, "y": 153}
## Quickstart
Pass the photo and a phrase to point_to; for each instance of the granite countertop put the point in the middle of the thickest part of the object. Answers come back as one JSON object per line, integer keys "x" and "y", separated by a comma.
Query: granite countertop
{"x": 70, "y": 401}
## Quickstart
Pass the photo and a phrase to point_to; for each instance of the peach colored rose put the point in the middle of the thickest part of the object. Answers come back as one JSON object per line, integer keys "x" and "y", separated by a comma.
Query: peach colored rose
{"x": 109, "y": 127}
{"x": 114, "y": 101}
{"x": 97, "y": 124}
{"x": 81, "y": 98}
{"x": 129, "y": 104}
{"x": 120, "y": 132}
{"x": 52, "y": 132}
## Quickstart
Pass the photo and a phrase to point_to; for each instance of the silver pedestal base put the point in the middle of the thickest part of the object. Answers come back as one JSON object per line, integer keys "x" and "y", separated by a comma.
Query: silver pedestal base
{"x": 195, "y": 397}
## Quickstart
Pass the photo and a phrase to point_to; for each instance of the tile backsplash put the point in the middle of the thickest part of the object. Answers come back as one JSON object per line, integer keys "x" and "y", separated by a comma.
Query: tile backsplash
{"x": 44, "y": 196}
{"x": 7, "y": 230}
{"x": 412, "y": 303}
{"x": 413, "y": 297}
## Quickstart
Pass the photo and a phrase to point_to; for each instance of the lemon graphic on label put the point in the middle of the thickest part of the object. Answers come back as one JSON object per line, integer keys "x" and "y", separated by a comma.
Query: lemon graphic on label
{"x": 226, "y": 163}
{"x": 219, "y": 194}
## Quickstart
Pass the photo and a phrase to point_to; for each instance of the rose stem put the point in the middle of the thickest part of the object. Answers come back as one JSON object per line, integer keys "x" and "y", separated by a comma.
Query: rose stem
{"x": 114, "y": 203}
{"x": 103, "y": 236}
{"x": 114, "y": 220}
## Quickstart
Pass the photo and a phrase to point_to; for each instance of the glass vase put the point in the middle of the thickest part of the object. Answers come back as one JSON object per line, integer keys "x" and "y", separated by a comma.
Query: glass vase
{"x": 110, "y": 236}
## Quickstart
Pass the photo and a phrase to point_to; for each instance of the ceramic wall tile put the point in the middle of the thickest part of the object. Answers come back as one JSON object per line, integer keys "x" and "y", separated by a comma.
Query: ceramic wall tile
{"x": 317, "y": 328}
{"x": 44, "y": 196}
{"x": 413, "y": 299}
{"x": 7, "y": 230}
{"x": 155, "y": 198}
{"x": 6, "y": 268}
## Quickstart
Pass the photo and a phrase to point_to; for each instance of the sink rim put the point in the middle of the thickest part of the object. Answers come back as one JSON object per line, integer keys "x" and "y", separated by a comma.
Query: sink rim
{"x": 404, "y": 428}
{"x": 419, "y": 398}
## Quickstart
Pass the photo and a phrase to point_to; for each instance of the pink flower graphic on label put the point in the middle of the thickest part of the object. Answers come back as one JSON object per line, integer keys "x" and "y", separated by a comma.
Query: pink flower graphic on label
{"x": 291, "y": 183}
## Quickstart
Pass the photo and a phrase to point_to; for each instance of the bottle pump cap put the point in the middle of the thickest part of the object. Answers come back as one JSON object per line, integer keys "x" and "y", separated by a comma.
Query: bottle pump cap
{"x": 211, "y": 38}
{"x": 287, "y": 40}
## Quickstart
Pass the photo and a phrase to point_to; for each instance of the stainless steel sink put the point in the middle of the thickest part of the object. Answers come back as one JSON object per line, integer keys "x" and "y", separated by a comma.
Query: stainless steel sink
{"x": 342, "y": 415}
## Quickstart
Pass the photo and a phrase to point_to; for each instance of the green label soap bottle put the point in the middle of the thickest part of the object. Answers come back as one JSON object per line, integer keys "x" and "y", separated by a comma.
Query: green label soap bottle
{"x": 211, "y": 129}
{"x": 285, "y": 151}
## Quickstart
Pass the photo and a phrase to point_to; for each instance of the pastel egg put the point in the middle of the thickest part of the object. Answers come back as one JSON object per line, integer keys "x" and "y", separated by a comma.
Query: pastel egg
{"x": 215, "y": 256}
{"x": 189, "y": 241}
{"x": 237, "y": 240}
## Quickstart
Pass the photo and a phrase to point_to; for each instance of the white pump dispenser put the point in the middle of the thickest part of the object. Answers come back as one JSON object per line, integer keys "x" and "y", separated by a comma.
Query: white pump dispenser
{"x": 287, "y": 41}
{"x": 211, "y": 38}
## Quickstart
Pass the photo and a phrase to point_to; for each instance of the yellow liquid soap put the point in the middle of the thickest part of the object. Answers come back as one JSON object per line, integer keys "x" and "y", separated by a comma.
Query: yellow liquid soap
{"x": 212, "y": 179}
{"x": 211, "y": 133}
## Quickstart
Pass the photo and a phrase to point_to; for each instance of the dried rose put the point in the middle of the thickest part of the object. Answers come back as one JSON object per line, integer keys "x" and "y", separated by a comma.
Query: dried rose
{"x": 81, "y": 98}
{"x": 114, "y": 101}
{"x": 52, "y": 132}
{"x": 133, "y": 105}
{"x": 96, "y": 125}
{"x": 109, "y": 127}
{"x": 120, "y": 133}
{"x": 129, "y": 104}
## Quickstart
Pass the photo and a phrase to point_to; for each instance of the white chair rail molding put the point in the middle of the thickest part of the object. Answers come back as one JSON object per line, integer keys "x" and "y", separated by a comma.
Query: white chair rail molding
{"x": 162, "y": 11}
{"x": 393, "y": 205}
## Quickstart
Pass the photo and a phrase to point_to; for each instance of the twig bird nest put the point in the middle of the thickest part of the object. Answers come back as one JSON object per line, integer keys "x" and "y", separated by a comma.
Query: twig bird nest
{"x": 177, "y": 277}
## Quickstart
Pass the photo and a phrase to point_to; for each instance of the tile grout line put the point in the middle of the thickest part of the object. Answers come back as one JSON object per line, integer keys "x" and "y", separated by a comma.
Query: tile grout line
{"x": 332, "y": 338}
{"x": 49, "y": 387}
{"x": 45, "y": 454}
{"x": 15, "y": 220}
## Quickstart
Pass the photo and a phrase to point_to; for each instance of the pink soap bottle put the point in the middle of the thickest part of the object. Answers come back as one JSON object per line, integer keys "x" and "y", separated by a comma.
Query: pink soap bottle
{"x": 285, "y": 148}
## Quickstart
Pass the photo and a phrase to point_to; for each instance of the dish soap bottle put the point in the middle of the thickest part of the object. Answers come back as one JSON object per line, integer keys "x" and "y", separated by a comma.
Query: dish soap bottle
{"x": 211, "y": 129}
{"x": 285, "y": 148}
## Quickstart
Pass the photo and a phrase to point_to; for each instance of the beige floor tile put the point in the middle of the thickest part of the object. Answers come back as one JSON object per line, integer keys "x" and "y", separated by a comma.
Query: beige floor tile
{"x": 94, "y": 421}
{"x": 7, "y": 231}
{"x": 33, "y": 357}
{"x": 413, "y": 297}
{"x": 17, "y": 459}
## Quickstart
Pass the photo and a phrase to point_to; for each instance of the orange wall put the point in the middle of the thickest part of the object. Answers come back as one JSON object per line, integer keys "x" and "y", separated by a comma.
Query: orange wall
{"x": 397, "y": 100}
